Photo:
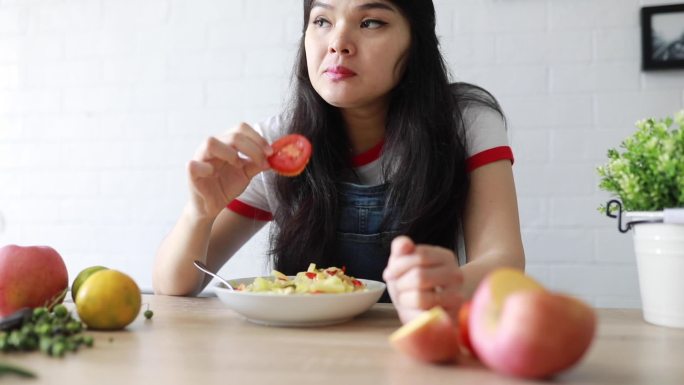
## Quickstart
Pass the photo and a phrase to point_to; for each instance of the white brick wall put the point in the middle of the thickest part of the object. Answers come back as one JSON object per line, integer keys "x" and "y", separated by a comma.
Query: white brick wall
{"x": 103, "y": 101}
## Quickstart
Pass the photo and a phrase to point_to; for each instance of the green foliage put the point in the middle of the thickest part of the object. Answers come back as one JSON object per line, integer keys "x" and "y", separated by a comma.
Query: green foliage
{"x": 648, "y": 174}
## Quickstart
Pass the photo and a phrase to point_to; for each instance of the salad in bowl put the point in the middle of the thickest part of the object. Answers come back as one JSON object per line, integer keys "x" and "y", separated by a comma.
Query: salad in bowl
{"x": 330, "y": 280}
{"x": 315, "y": 297}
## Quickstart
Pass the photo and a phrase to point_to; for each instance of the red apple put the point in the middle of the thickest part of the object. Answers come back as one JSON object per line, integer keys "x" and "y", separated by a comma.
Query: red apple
{"x": 463, "y": 329}
{"x": 430, "y": 337}
{"x": 30, "y": 276}
{"x": 520, "y": 329}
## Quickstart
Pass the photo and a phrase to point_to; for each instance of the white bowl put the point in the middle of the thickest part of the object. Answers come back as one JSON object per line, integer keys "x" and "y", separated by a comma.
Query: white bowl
{"x": 298, "y": 309}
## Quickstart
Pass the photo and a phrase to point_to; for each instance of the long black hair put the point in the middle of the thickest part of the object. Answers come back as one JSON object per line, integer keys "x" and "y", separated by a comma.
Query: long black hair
{"x": 424, "y": 140}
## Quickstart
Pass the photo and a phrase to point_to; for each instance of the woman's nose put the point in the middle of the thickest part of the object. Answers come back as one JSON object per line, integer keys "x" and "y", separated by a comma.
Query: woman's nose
{"x": 341, "y": 43}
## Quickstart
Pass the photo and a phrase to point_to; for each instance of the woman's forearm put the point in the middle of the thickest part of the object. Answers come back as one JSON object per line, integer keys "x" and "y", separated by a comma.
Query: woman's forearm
{"x": 476, "y": 270}
{"x": 187, "y": 241}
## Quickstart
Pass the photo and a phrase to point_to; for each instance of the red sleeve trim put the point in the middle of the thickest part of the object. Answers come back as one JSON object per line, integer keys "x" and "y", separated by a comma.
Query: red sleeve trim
{"x": 248, "y": 211}
{"x": 489, "y": 156}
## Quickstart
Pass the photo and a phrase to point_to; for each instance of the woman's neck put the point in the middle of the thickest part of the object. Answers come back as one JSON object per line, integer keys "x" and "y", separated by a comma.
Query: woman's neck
{"x": 365, "y": 126}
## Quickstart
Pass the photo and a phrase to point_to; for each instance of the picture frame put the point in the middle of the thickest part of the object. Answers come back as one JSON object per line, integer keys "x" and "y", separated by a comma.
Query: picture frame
{"x": 662, "y": 37}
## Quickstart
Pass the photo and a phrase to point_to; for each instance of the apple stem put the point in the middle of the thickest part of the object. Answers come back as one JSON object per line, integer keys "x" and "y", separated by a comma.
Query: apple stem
{"x": 57, "y": 299}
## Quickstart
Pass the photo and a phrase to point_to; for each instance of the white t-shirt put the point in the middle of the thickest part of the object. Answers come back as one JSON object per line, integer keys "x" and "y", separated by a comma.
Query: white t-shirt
{"x": 486, "y": 142}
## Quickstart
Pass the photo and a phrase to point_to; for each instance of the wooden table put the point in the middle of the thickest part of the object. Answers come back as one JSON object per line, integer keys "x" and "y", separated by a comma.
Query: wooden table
{"x": 199, "y": 341}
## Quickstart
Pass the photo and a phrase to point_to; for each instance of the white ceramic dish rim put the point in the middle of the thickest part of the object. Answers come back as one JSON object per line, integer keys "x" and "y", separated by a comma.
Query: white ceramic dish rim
{"x": 306, "y": 310}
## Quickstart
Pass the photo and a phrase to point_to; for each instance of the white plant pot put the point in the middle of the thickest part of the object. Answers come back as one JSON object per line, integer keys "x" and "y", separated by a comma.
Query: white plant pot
{"x": 659, "y": 250}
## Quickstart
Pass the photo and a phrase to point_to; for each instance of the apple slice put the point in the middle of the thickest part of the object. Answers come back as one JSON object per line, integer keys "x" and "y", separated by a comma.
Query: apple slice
{"x": 520, "y": 329}
{"x": 430, "y": 337}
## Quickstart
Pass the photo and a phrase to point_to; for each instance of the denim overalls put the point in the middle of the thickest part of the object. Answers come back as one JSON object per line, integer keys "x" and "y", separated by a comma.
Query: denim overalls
{"x": 361, "y": 246}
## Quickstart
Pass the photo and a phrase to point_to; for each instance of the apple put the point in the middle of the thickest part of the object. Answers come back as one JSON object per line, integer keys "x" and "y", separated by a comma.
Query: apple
{"x": 430, "y": 337}
{"x": 519, "y": 328}
{"x": 30, "y": 276}
{"x": 464, "y": 330}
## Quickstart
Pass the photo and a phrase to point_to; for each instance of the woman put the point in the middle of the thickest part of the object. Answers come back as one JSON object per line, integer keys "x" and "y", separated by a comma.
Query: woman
{"x": 403, "y": 166}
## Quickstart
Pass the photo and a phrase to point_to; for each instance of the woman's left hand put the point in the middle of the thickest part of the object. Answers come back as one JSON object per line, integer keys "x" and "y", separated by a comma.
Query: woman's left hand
{"x": 420, "y": 277}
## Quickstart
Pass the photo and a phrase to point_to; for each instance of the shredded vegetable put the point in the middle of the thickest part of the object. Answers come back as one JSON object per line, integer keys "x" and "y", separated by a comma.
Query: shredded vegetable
{"x": 312, "y": 281}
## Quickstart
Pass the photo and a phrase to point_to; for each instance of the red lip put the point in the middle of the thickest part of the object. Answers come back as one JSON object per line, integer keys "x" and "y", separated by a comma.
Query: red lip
{"x": 339, "y": 72}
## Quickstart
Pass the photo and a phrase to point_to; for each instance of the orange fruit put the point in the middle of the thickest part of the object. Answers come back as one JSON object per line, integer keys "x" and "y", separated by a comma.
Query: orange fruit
{"x": 108, "y": 300}
{"x": 81, "y": 277}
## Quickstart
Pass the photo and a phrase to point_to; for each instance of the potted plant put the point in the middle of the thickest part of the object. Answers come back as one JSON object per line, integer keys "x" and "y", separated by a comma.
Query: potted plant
{"x": 647, "y": 179}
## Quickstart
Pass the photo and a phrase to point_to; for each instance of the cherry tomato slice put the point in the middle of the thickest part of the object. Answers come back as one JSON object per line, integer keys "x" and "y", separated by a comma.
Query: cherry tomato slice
{"x": 291, "y": 153}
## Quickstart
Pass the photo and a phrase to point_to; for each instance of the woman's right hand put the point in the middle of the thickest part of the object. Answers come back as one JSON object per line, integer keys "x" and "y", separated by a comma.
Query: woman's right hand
{"x": 223, "y": 166}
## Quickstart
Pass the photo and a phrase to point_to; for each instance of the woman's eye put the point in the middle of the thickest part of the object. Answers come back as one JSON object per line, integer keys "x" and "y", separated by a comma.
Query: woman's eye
{"x": 320, "y": 22}
{"x": 372, "y": 24}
